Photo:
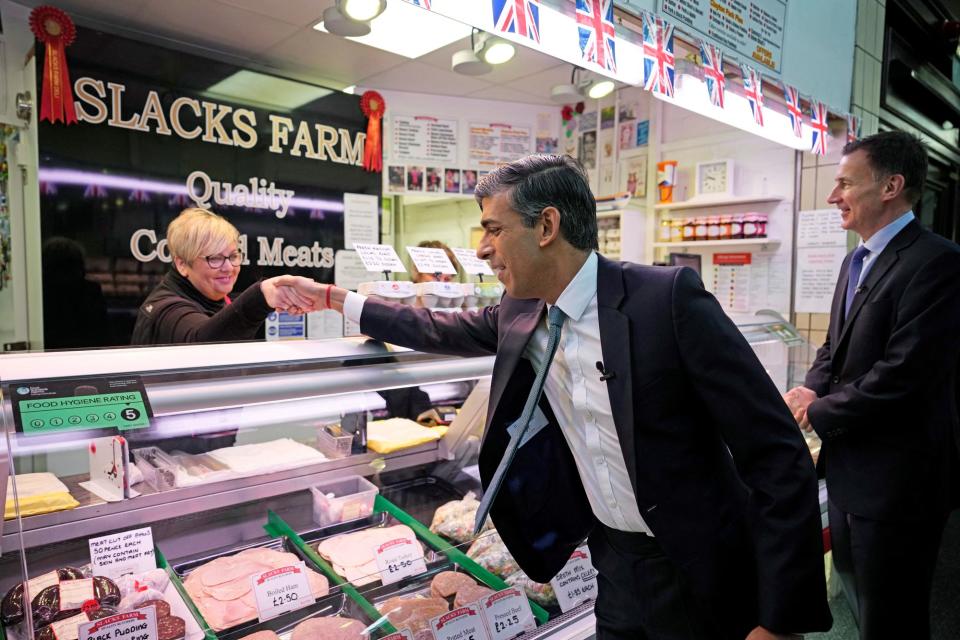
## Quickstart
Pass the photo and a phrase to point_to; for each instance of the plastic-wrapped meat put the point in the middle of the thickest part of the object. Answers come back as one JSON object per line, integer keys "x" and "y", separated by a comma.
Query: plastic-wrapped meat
{"x": 12, "y": 609}
{"x": 412, "y": 612}
{"x": 162, "y": 607}
{"x": 69, "y": 628}
{"x": 491, "y": 554}
{"x": 65, "y": 599}
{"x": 171, "y": 628}
{"x": 541, "y": 593}
{"x": 262, "y": 635}
{"x": 471, "y": 594}
{"x": 454, "y": 520}
{"x": 333, "y": 628}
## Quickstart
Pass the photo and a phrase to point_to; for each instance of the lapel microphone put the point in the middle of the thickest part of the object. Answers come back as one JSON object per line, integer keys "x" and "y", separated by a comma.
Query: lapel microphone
{"x": 604, "y": 374}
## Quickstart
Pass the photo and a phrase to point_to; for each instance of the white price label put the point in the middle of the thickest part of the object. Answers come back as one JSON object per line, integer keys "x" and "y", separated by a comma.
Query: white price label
{"x": 399, "y": 558}
{"x": 282, "y": 590}
{"x": 507, "y": 613}
{"x": 120, "y": 553}
{"x": 403, "y": 634}
{"x": 135, "y": 625}
{"x": 73, "y": 593}
{"x": 431, "y": 260}
{"x": 471, "y": 263}
{"x": 577, "y": 581}
{"x": 379, "y": 257}
{"x": 465, "y": 623}
{"x": 38, "y": 584}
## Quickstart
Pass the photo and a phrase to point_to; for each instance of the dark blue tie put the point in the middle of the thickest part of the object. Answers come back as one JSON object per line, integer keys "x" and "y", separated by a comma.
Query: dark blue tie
{"x": 555, "y": 318}
{"x": 853, "y": 276}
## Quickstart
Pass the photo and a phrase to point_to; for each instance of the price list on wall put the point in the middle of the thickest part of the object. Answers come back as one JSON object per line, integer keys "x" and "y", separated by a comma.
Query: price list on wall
{"x": 492, "y": 144}
{"x": 424, "y": 138}
{"x": 753, "y": 28}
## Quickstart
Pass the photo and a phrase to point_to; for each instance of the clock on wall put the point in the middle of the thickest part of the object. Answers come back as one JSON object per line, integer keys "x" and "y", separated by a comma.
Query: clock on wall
{"x": 715, "y": 178}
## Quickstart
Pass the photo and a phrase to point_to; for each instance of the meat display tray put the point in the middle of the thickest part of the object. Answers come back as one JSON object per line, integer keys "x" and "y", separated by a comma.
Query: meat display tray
{"x": 420, "y": 497}
{"x": 332, "y": 602}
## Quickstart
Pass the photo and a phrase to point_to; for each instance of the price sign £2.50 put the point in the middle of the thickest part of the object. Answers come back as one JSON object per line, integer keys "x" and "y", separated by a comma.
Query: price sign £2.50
{"x": 282, "y": 590}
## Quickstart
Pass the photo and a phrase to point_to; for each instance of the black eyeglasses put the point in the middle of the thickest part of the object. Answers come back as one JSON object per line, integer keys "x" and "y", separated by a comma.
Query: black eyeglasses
{"x": 217, "y": 261}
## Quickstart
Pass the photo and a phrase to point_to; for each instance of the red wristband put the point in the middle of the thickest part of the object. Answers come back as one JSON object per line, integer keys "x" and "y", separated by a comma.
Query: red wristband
{"x": 328, "y": 296}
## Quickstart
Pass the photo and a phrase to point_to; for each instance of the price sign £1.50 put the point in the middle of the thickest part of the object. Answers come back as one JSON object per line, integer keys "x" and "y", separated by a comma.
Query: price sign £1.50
{"x": 399, "y": 558}
{"x": 282, "y": 590}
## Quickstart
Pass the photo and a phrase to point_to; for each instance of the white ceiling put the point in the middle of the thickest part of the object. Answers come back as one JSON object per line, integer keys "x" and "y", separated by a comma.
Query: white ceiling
{"x": 277, "y": 35}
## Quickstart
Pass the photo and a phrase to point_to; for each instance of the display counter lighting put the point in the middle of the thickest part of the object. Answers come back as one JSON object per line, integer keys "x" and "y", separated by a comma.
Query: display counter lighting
{"x": 691, "y": 94}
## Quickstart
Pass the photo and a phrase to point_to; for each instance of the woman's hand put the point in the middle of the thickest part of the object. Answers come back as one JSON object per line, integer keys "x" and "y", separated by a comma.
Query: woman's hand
{"x": 292, "y": 294}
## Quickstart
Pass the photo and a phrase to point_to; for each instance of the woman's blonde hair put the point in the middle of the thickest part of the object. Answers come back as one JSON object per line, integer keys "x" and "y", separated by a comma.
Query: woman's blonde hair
{"x": 195, "y": 229}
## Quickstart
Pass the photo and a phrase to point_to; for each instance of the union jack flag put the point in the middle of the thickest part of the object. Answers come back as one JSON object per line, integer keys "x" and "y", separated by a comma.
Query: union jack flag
{"x": 420, "y": 3}
{"x": 753, "y": 89}
{"x": 179, "y": 200}
{"x": 597, "y": 37}
{"x": 521, "y": 17}
{"x": 658, "y": 71}
{"x": 853, "y": 127}
{"x": 47, "y": 188}
{"x": 818, "y": 123}
{"x": 95, "y": 191}
{"x": 792, "y": 96}
{"x": 139, "y": 195}
{"x": 712, "y": 59}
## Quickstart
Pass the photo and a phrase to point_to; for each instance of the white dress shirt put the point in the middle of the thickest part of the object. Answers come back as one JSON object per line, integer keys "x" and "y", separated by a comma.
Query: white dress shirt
{"x": 579, "y": 399}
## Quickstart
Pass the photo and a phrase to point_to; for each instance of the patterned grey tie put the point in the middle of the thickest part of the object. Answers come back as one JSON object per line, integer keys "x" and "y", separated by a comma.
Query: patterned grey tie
{"x": 555, "y": 318}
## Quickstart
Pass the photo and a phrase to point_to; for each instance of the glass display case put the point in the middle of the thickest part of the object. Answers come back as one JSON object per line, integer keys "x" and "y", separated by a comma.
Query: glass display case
{"x": 175, "y": 474}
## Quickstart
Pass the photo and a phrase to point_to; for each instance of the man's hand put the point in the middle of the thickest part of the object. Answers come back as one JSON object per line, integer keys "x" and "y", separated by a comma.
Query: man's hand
{"x": 798, "y": 399}
{"x": 288, "y": 293}
{"x": 759, "y": 633}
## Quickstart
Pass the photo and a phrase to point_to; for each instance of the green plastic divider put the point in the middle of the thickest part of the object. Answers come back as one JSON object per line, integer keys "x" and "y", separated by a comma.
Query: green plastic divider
{"x": 278, "y": 528}
{"x": 493, "y": 581}
{"x": 162, "y": 563}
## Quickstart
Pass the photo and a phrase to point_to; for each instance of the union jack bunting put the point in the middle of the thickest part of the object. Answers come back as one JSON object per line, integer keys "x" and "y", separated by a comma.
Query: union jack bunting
{"x": 517, "y": 16}
{"x": 179, "y": 200}
{"x": 420, "y": 3}
{"x": 597, "y": 37}
{"x": 792, "y": 97}
{"x": 658, "y": 71}
{"x": 139, "y": 195}
{"x": 818, "y": 122}
{"x": 712, "y": 59}
{"x": 753, "y": 89}
{"x": 853, "y": 127}
{"x": 95, "y": 191}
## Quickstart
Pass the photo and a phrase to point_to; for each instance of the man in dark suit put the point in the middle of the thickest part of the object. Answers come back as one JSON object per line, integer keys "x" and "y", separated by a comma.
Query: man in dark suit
{"x": 881, "y": 393}
{"x": 660, "y": 438}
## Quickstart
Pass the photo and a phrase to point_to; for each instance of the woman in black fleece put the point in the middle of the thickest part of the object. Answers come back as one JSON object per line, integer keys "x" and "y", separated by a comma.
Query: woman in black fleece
{"x": 191, "y": 303}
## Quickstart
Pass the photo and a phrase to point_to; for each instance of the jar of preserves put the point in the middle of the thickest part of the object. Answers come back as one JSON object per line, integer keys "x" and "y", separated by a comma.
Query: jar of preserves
{"x": 676, "y": 230}
{"x": 700, "y": 229}
{"x": 725, "y": 223}
{"x": 736, "y": 226}
{"x": 761, "y": 225}
{"x": 665, "y": 226}
{"x": 713, "y": 228}
{"x": 689, "y": 229}
{"x": 750, "y": 225}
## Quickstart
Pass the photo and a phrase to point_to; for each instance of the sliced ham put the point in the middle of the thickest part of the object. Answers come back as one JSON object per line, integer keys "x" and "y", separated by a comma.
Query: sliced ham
{"x": 333, "y": 628}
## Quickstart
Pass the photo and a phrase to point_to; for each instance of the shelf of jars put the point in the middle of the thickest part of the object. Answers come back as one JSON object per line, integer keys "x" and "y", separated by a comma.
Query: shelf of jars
{"x": 740, "y": 228}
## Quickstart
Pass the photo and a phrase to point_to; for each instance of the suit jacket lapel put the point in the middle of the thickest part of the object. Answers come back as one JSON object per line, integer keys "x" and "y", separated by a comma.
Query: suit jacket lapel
{"x": 887, "y": 258}
{"x": 836, "y": 309}
{"x": 511, "y": 347}
{"x": 615, "y": 345}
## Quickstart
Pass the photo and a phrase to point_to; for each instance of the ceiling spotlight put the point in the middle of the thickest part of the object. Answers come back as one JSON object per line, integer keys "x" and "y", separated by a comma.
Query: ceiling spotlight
{"x": 468, "y": 63}
{"x": 600, "y": 88}
{"x": 494, "y": 49}
{"x": 361, "y": 10}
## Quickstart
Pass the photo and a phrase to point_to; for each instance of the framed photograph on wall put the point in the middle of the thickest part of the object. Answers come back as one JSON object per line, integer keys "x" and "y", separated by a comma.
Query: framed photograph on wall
{"x": 633, "y": 176}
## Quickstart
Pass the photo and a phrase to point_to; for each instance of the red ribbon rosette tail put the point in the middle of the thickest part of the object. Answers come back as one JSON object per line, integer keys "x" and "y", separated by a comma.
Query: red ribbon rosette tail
{"x": 56, "y": 31}
{"x": 373, "y": 106}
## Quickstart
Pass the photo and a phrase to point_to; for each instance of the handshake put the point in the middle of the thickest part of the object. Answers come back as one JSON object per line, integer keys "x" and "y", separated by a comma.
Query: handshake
{"x": 798, "y": 399}
{"x": 299, "y": 295}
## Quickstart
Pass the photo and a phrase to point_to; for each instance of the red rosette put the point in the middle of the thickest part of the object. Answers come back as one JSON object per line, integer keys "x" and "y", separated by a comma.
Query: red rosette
{"x": 566, "y": 113}
{"x": 373, "y": 106}
{"x": 56, "y": 31}
{"x": 579, "y": 108}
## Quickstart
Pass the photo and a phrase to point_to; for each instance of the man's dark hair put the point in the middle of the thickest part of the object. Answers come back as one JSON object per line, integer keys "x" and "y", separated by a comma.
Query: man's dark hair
{"x": 895, "y": 152}
{"x": 540, "y": 181}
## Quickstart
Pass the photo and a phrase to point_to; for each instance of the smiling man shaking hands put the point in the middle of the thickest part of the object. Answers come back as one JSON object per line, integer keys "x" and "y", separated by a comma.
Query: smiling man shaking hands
{"x": 676, "y": 460}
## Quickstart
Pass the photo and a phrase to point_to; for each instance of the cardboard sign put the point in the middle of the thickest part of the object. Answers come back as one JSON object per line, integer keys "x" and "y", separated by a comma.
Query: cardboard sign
{"x": 120, "y": 553}
{"x": 431, "y": 260}
{"x": 379, "y": 257}
{"x": 397, "y": 559}
{"x": 507, "y": 613}
{"x": 576, "y": 583}
{"x": 135, "y": 625}
{"x": 471, "y": 263}
{"x": 109, "y": 469}
{"x": 465, "y": 623}
{"x": 282, "y": 590}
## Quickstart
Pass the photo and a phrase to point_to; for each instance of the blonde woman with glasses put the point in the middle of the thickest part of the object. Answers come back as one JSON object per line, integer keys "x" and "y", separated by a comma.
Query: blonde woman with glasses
{"x": 191, "y": 304}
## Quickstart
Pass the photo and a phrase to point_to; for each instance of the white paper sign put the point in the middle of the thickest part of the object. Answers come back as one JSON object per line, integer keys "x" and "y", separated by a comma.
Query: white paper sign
{"x": 471, "y": 263}
{"x": 379, "y": 257}
{"x": 109, "y": 469}
{"x": 465, "y": 623}
{"x": 577, "y": 581}
{"x": 360, "y": 219}
{"x": 73, "y": 593}
{"x": 399, "y": 558}
{"x": 140, "y": 624}
{"x": 120, "y": 553}
{"x": 431, "y": 260}
{"x": 821, "y": 247}
{"x": 324, "y": 324}
{"x": 507, "y": 613}
{"x": 38, "y": 584}
{"x": 348, "y": 270}
{"x": 68, "y": 627}
{"x": 403, "y": 634}
{"x": 282, "y": 590}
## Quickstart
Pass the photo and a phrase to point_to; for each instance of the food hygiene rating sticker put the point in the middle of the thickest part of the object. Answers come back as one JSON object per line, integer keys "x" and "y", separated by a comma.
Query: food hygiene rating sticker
{"x": 77, "y": 404}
